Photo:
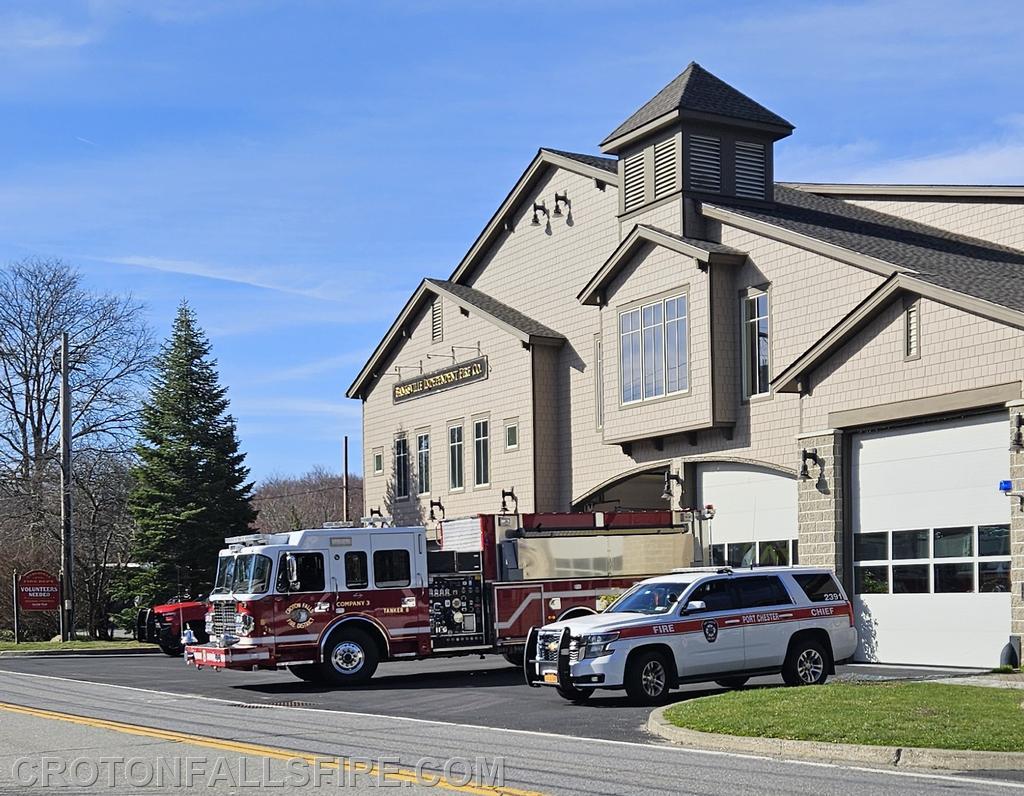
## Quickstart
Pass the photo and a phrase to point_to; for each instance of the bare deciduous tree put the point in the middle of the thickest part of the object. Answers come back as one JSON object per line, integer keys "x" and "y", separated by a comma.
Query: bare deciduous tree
{"x": 111, "y": 348}
{"x": 306, "y": 501}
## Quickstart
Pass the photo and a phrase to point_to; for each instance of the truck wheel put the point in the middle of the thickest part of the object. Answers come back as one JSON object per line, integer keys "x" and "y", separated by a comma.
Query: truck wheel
{"x": 734, "y": 683}
{"x": 647, "y": 678}
{"x": 514, "y": 655}
{"x": 806, "y": 664}
{"x": 573, "y": 694}
{"x": 309, "y": 672}
{"x": 350, "y": 658}
{"x": 174, "y": 650}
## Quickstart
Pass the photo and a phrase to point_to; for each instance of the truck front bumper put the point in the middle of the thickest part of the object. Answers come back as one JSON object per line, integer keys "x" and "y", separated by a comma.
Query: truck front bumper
{"x": 603, "y": 672}
{"x": 233, "y": 657}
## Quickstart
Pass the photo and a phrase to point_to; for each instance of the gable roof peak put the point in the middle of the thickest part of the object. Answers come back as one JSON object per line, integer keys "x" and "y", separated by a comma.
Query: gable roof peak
{"x": 697, "y": 90}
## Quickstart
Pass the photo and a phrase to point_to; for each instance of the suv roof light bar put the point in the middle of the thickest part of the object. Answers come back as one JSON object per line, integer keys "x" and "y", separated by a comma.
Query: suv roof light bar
{"x": 248, "y": 539}
{"x": 716, "y": 570}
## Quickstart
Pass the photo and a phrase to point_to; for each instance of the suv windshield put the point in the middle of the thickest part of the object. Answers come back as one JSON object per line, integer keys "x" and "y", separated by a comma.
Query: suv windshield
{"x": 649, "y": 598}
{"x": 243, "y": 574}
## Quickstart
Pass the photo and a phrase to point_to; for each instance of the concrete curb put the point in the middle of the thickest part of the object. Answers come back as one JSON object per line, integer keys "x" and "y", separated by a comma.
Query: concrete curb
{"x": 883, "y": 756}
{"x": 77, "y": 653}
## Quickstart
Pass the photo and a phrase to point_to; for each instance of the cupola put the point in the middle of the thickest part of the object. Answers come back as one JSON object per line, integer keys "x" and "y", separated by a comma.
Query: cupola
{"x": 699, "y": 137}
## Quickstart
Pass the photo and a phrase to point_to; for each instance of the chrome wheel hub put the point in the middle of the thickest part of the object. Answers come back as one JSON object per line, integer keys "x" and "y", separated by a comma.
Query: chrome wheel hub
{"x": 652, "y": 678}
{"x": 348, "y": 657}
{"x": 809, "y": 666}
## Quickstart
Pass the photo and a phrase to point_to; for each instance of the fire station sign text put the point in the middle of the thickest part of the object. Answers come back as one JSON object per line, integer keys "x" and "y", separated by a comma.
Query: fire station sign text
{"x": 454, "y": 376}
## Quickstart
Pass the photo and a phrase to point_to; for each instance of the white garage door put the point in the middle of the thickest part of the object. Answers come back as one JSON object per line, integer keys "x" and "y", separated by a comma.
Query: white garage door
{"x": 931, "y": 542}
{"x": 755, "y": 514}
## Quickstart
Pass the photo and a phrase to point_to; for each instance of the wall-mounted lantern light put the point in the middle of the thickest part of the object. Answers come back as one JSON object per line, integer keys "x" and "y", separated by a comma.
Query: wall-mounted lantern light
{"x": 810, "y": 456}
{"x": 561, "y": 198}
{"x": 436, "y": 504}
{"x": 506, "y": 495}
{"x": 670, "y": 478}
{"x": 538, "y": 207}
{"x": 1017, "y": 434}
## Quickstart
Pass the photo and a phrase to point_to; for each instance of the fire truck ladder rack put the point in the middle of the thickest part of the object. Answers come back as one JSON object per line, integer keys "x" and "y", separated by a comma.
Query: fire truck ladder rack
{"x": 628, "y": 530}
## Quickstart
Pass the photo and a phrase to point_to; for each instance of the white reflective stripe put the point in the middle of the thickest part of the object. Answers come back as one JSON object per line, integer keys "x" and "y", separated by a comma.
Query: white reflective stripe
{"x": 251, "y": 641}
{"x": 409, "y": 631}
{"x": 536, "y": 596}
{"x": 731, "y": 622}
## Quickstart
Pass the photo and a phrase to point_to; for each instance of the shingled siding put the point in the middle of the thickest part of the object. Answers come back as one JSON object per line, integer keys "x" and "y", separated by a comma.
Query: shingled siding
{"x": 999, "y": 222}
{"x": 539, "y": 270}
{"x": 959, "y": 351}
{"x": 658, "y": 273}
{"x": 504, "y": 394}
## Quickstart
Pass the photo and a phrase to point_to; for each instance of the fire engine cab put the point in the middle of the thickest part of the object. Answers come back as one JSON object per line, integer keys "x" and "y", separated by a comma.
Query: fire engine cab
{"x": 331, "y": 603}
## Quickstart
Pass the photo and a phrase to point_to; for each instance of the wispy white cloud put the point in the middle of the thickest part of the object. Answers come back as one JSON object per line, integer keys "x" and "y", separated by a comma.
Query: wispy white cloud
{"x": 270, "y": 406}
{"x": 316, "y": 367}
{"x": 23, "y": 33}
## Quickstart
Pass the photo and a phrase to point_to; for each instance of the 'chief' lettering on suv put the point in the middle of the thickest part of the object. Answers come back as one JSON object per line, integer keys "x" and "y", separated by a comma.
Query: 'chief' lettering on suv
{"x": 699, "y": 625}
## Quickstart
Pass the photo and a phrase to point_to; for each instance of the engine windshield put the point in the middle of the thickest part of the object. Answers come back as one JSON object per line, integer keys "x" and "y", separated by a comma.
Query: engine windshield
{"x": 649, "y": 598}
{"x": 248, "y": 573}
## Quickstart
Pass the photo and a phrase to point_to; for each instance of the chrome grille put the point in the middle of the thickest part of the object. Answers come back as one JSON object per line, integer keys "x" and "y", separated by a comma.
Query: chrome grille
{"x": 223, "y": 617}
{"x": 545, "y": 642}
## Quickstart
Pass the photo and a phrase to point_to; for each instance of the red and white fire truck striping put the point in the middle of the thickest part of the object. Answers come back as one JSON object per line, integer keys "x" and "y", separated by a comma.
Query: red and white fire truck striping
{"x": 331, "y": 603}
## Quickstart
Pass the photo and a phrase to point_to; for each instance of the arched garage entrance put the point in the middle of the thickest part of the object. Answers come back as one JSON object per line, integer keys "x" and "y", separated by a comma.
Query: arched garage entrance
{"x": 638, "y": 490}
{"x": 755, "y": 522}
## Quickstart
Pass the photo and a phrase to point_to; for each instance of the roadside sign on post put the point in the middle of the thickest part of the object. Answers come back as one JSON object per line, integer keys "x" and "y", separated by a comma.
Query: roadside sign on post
{"x": 38, "y": 590}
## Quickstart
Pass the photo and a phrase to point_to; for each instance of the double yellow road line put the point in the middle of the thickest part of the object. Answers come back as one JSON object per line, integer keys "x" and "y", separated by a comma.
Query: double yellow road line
{"x": 405, "y": 775}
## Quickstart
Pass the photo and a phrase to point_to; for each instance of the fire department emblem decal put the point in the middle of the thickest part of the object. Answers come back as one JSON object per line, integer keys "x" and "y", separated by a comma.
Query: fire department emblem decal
{"x": 711, "y": 630}
{"x": 299, "y": 615}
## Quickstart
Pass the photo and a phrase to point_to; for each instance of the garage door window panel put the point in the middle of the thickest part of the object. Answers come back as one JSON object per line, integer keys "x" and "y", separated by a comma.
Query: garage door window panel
{"x": 910, "y": 579}
{"x": 954, "y": 578}
{"x": 954, "y": 542}
{"x": 994, "y": 540}
{"x": 871, "y": 580}
{"x": 871, "y": 546}
{"x": 994, "y": 576}
{"x": 910, "y": 544}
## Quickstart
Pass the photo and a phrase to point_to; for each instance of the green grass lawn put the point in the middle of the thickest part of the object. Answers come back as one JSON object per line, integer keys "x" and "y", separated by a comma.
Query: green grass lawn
{"x": 70, "y": 646}
{"x": 883, "y": 714}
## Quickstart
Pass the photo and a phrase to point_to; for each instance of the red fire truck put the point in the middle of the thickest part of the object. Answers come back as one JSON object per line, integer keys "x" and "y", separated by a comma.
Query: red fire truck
{"x": 164, "y": 624}
{"x": 331, "y": 603}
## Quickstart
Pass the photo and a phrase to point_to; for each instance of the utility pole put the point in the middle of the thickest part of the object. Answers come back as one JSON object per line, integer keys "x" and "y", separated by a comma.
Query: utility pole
{"x": 66, "y": 537}
{"x": 344, "y": 484}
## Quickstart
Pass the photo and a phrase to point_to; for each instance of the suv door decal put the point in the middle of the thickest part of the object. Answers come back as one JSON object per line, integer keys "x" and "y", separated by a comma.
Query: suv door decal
{"x": 764, "y": 617}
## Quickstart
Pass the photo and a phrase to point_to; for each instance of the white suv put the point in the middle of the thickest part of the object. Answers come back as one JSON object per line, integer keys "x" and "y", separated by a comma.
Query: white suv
{"x": 698, "y": 625}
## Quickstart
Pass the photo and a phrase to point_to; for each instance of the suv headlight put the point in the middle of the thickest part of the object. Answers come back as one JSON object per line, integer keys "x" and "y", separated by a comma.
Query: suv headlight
{"x": 595, "y": 645}
{"x": 244, "y": 624}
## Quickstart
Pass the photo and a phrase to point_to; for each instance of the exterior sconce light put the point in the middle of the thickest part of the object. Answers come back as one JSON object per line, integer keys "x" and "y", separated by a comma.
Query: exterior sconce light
{"x": 708, "y": 513}
{"x": 506, "y": 495}
{"x": 670, "y": 478}
{"x": 538, "y": 207}
{"x": 1006, "y": 487}
{"x": 559, "y": 199}
{"x": 809, "y": 456}
{"x": 1017, "y": 435}
{"x": 436, "y": 504}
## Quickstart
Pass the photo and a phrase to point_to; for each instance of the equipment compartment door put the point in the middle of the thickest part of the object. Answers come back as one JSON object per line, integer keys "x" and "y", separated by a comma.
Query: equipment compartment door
{"x": 516, "y": 610}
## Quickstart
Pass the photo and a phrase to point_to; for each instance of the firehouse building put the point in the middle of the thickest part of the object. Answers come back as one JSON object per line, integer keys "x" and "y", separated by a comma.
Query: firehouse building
{"x": 836, "y": 369}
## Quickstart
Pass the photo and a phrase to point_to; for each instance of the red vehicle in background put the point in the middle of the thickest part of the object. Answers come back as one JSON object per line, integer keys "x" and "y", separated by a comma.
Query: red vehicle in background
{"x": 330, "y": 604}
{"x": 165, "y": 624}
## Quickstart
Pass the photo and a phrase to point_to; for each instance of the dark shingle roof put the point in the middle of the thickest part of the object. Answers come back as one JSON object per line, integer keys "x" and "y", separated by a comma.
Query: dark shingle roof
{"x": 608, "y": 164}
{"x": 496, "y": 309}
{"x": 967, "y": 265}
{"x": 696, "y": 89}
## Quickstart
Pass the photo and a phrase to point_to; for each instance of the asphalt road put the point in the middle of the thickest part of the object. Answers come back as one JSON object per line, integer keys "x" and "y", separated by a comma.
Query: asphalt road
{"x": 483, "y": 692}
{"x": 532, "y": 762}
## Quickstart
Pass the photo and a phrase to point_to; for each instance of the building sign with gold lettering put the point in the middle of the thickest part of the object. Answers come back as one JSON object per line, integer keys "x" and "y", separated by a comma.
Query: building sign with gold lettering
{"x": 439, "y": 380}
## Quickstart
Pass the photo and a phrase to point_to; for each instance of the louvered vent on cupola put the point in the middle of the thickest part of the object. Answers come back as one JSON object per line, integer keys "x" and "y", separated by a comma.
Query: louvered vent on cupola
{"x": 705, "y": 163}
{"x": 751, "y": 166}
{"x": 633, "y": 182}
{"x": 436, "y": 321}
{"x": 664, "y": 167}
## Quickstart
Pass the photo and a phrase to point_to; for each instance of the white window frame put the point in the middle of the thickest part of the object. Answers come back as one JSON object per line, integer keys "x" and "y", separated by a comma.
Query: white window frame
{"x": 511, "y": 423}
{"x": 599, "y": 381}
{"x": 459, "y": 457}
{"x": 378, "y": 461}
{"x": 975, "y": 559}
{"x": 752, "y": 390}
{"x": 485, "y": 442}
{"x": 399, "y": 494}
{"x": 422, "y": 458}
{"x": 638, "y": 309}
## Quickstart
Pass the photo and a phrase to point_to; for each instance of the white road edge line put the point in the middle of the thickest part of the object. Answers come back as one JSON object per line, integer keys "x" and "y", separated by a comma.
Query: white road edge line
{"x": 540, "y": 734}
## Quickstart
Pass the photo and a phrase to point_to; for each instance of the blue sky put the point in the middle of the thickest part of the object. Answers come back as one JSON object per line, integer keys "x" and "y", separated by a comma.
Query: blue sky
{"x": 295, "y": 168}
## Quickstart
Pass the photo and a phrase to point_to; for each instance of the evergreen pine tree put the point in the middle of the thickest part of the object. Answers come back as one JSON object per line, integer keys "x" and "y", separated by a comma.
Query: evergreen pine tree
{"x": 191, "y": 481}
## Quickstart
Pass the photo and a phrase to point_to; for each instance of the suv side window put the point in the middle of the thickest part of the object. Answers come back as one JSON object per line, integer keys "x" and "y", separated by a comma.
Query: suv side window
{"x": 718, "y": 595}
{"x": 761, "y": 591}
{"x": 820, "y": 587}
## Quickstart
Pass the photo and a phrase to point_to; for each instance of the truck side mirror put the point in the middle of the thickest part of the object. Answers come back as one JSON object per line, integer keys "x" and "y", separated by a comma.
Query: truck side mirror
{"x": 292, "y": 568}
{"x": 695, "y": 606}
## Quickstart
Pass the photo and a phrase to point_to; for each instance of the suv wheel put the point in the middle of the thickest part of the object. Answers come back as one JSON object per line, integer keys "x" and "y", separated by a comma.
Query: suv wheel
{"x": 350, "y": 658}
{"x": 573, "y": 694}
{"x": 647, "y": 678}
{"x": 732, "y": 682}
{"x": 806, "y": 664}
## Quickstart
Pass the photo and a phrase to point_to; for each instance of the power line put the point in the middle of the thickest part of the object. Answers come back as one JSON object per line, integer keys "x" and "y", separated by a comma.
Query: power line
{"x": 296, "y": 494}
